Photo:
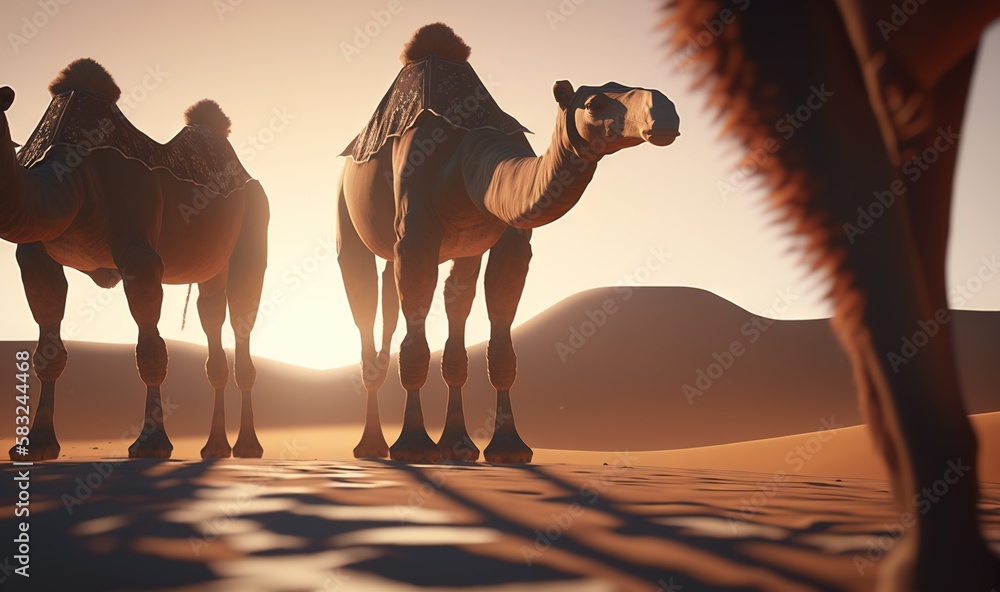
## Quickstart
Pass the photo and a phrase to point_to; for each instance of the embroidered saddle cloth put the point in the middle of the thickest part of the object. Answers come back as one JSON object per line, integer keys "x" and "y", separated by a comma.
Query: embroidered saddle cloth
{"x": 445, "y": 87}
{"x": 88, "y": 121}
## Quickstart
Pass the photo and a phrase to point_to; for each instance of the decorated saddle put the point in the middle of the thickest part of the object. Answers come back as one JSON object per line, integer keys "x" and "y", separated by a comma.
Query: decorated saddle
{"x": 88, "y": 121}
{"x": 445, "y": 87}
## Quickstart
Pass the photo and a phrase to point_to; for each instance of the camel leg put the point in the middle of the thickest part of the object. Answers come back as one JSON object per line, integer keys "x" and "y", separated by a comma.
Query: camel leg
{"x": 212, "y": 312}
{"x": 360, "y": 275}
{"x": 949, "y": 551}
{"x": 142, "y": 270}
{"x": 917, "y": 417}
{"x": 246, "y": 281}
{"x": 914, "y": 406}
{"x": 929, "y": 215}
{"x": 416, "y": 262}
{"x": 924, "y": 433}
{"x": 459, "y": 292}
{"x": 930, "y": 196}
{"x": 45, "y": 287}
{"x": 390, "y": 315}
{"x": 506, "y": 271}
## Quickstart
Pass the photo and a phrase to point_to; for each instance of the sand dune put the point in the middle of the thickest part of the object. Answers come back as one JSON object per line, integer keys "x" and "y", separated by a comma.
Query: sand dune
{"x": 621, "y": 387}
{"x": 842, "y": 452}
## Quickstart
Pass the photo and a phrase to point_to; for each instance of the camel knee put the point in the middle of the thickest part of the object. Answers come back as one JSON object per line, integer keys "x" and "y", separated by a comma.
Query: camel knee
{"x": 414, "y": 360}
{"x": 217, "y": 369}
{"x": 246, "y": 375}
{"x": 501, "y": 364}
{"x": 455, "y": 365}
{"x": 151, "y": 359}
{"x": 49, "y": 359}
{"x": 374, "y": 370}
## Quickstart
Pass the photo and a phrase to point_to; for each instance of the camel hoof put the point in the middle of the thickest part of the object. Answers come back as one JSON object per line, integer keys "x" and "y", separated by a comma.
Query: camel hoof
{"x": 456, "y": 445}
{"x": 415, "y": 447}
{"x": 507, "y": 449}
{"x": 151, "y": 445}
{"x": 363, "y": 450}
{"x": 217, "y": 448}
{"x": 248, "y": 446}
{"x": 39, "y": 448}
{"x": 966, "y": 567}
{"x": 372, "y": 445}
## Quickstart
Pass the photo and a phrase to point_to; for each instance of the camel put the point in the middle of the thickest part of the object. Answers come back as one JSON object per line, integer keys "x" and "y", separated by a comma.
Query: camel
{"x": 450, "y": 179}
{"x": 90, "y": 192}
{"x": 895, "y": 78}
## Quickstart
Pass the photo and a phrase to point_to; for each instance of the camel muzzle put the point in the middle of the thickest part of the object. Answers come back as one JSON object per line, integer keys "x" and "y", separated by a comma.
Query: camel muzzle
{"x": 660, "y": 137}
{"x": 660, "y": 124}
{"x": 6, "y": 98}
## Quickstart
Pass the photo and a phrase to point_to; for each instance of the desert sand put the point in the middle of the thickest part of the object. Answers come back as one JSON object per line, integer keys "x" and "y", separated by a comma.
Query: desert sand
{"x": 838, "y": 452}
{"x": 296, "y": 525}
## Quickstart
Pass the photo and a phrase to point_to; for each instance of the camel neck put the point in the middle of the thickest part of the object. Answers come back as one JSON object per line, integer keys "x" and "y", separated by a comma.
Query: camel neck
{"x": 523, "y": 190}
{"x": 35, "y": 205}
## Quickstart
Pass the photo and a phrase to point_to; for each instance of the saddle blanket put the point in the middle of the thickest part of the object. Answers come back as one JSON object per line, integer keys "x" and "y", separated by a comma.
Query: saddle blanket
{"x": 88, "y": 121}
{"x": 445, "y": 87}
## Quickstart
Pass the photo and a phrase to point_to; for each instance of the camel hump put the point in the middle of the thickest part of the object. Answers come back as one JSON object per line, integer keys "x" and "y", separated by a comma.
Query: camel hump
{"x": 208, "y": 113}
{"x": 85, "y": 74}
{"x": 435, "y": 39}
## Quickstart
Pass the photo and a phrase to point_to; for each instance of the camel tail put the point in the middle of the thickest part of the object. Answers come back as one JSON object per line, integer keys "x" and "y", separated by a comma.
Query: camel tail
{"x": 187, "y": 300}
{"x": 390, "y": 305}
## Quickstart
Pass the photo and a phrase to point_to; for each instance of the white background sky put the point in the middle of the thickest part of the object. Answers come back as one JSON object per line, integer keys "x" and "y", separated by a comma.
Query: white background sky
{"x": 260, "y": 58}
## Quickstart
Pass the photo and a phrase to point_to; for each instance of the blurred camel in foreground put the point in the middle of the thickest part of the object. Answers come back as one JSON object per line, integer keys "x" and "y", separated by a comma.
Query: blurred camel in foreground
{"x": 836, "y": 100}
{"x": 441, "y": 173}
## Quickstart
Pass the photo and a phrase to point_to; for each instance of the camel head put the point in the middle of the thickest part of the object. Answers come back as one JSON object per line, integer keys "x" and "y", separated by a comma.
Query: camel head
{"x": 613, "y": 116}
{"x": 6, "y": 100}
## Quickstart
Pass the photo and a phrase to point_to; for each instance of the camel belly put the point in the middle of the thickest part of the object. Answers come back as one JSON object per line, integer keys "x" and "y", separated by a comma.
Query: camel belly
{"x": 189, "y": 256}
{"x": 455, "y": 244}
{"x": 84, "y": 245}
{"x": 196, "y": 244}
{"x": 127, "y": 204}
{"x": 371, "y": 202}
{"x": 198, "y": 259}
{"x": 75, "y": 254}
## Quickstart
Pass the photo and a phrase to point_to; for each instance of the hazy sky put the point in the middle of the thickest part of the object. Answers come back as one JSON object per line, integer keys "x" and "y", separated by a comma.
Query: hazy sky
{"x": 299, "y": 79}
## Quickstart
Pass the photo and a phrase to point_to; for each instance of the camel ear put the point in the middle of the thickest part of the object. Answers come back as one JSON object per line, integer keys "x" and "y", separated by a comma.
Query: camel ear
{"x": 6, "y": 98}
{"x": 563, "y": 91}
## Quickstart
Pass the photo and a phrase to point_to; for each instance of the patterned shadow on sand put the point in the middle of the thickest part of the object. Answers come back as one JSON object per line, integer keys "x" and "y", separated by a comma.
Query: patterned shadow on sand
{"x": 298, "y": 526}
